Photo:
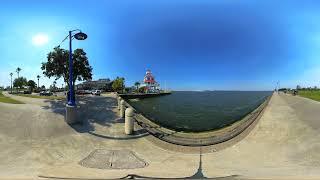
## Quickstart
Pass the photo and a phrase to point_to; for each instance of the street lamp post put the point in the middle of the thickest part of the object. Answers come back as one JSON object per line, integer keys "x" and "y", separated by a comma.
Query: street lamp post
{"x": 71, "y": 105}
{"x": 71, "y": 100}
{"x": 11, "y": 82}
{"x": 79, "y": 36}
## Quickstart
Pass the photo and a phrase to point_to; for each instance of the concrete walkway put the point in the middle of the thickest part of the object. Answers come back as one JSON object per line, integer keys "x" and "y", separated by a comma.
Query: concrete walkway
{"x": 35, "y": 143}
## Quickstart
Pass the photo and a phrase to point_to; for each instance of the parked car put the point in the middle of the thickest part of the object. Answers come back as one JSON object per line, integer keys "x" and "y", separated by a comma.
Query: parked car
{"x": 80, "y": 92}
{"x": 27, "y": 92}
{"x": 87, "y": 91}
{"x": 96, "y": 92}
{"x": 83, "y": 92}
{"x": 46, "y": 93}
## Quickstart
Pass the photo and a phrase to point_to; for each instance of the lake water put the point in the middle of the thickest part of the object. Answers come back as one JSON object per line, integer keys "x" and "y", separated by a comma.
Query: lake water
{"x": 199, "y": 111}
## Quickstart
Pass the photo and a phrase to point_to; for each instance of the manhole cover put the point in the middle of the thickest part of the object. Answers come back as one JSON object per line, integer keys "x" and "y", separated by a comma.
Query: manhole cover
{"x": 113, "y": 159}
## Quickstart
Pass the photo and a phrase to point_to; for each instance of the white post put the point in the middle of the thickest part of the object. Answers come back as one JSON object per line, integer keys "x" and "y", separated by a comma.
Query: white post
{"x": 122, "y": 108}
{"x": 119, "y": 100}
{"x": 129, "y": 122}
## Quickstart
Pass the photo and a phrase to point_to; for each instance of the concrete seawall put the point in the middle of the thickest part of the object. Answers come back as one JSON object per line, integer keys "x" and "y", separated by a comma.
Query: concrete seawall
{"x": 143, "y": 95}
{"x": 199, "y": 139}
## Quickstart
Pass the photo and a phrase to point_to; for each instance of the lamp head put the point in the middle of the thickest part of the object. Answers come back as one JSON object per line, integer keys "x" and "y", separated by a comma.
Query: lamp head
{"x": 80, "y": 36}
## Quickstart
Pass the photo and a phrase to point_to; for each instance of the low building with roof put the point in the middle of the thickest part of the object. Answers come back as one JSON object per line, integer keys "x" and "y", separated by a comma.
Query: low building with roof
{"x": 100, "y": 84}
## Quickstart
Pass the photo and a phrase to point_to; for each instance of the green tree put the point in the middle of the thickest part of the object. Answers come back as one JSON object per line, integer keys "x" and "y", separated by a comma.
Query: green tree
{"x": 141, "y": 90}
{"x": 137, "y": 84}
{"x": 54, "y": 85}
{"x": 57, "y": 65}
{"x": 118, "y": 84}
{"x": 298, "y": 87}
{"x": 20, "y": 82}
{"x": 32, "y": 85}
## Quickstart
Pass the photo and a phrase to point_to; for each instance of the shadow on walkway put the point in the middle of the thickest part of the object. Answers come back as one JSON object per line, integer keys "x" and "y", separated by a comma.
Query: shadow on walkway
{"x": 94, "y": 110}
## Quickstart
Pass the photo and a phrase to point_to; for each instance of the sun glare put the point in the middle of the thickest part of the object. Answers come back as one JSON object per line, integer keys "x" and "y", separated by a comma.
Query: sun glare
{"x": 40, "y": 39}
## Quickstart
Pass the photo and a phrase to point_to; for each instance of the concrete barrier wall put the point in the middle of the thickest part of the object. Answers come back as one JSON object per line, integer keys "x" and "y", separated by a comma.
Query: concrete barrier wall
{"x": 143, "y": 95}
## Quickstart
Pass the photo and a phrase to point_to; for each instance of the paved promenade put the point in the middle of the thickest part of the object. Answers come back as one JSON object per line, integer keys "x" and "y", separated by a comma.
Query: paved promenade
{"x": 35, "y": 143}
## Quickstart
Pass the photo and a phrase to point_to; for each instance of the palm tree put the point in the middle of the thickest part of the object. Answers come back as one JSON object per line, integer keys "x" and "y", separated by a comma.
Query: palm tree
{"x": 18, "y": 71}
{"x": 11, "y": 81}
{"x": 137, "y": 84}
{"x": 54, "y": 85}
{"x": 38, "y": 77}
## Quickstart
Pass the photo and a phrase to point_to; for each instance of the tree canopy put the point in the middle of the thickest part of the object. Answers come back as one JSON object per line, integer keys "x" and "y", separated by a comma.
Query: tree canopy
{"x": 118, "y": 84}
{"x": 298, "y": 87}
{"x": 137, "y": 84}
{"x": 57, "y": 65}
{"x": 32, "y": 84}
{"x": 20, "y": 82}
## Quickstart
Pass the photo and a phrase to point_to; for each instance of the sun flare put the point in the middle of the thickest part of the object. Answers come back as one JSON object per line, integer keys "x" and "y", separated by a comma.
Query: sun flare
{"x": 40, "y": 39}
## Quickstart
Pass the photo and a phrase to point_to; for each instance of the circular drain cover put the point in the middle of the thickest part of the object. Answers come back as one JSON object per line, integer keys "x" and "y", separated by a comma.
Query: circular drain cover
{"x": 113, "y": 159}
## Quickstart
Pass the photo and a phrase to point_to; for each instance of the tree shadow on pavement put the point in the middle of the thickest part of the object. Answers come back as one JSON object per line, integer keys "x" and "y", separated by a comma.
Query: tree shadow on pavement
{"x": 91, "y": 110}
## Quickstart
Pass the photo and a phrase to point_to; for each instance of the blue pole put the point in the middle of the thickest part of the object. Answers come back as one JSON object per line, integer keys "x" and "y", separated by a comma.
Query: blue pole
{"x": 71, "y": 100}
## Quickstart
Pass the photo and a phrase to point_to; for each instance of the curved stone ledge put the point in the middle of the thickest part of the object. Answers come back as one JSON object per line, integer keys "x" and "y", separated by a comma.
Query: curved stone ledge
{"x": 202, "y": 138}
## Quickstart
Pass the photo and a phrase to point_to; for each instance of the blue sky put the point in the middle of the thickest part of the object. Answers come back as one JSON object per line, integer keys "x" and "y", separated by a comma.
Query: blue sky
{"x": 189, "y": 44}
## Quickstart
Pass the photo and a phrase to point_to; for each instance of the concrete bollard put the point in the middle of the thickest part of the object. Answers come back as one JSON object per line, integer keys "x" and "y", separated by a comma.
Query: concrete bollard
{"x": 122, "y": 108}
{"x": 71, "y": 114}
{"x": 119, "y": 101}
{"x": 129, "y": 122}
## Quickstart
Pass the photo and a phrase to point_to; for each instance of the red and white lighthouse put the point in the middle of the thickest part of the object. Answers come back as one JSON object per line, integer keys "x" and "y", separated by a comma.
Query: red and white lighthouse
{"x": 148, "y": 78}
{"x": 151, "y": 86}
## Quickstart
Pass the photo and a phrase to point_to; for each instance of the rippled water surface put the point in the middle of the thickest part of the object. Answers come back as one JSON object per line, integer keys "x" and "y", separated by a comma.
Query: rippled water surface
{"x": 199, "y": 111}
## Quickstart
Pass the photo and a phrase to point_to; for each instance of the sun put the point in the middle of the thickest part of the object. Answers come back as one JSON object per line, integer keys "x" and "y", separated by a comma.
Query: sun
{"x": 40, "y": 39}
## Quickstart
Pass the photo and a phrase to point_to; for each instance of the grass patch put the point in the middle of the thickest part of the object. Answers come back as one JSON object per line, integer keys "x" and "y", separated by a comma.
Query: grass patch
{"x": 314, "y": 95}
{"x": 41, "y": 97}
{"x": 5, "y": 99}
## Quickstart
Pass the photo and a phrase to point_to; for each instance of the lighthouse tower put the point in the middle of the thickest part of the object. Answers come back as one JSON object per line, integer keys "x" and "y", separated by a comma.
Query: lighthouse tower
{"x": 151, "y": 86}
